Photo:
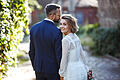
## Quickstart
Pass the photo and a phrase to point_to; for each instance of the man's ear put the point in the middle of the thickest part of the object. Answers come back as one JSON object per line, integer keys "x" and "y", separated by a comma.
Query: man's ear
{"x": 52, "y": 16}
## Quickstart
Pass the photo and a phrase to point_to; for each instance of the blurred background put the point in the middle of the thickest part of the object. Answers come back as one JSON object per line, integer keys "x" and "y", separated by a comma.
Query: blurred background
{"x": 99, "y": 32}
{"x": 84, "y": 10}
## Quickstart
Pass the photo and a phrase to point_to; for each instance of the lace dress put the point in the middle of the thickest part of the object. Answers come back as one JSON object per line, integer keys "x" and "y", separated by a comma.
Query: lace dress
{"x": 72, "y": 65}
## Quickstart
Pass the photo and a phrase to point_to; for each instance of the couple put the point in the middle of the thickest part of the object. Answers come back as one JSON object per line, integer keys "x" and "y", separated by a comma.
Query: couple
{"x": 54, "y": 57}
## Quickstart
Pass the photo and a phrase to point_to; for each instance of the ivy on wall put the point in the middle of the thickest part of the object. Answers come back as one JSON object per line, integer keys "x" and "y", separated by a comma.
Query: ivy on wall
{"x": 13, "y": 20}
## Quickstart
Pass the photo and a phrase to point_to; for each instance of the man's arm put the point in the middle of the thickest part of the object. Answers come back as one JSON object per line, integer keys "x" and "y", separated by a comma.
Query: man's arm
{"x": 58, "y": 48}
{"x": 32, "y": 50}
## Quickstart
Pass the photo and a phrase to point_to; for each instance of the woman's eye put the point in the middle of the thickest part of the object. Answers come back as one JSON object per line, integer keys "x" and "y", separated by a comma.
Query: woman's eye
{"x": 60, "y": 23}
{"x": 64, "y": 24}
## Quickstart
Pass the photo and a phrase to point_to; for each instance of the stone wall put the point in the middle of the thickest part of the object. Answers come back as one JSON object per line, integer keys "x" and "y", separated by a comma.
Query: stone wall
{"x": 108, "y": 12}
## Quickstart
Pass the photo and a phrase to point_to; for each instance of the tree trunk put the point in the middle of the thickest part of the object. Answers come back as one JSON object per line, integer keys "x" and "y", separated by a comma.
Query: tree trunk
{"x": 109, "y": 12}
{"x": 44, "y": 2}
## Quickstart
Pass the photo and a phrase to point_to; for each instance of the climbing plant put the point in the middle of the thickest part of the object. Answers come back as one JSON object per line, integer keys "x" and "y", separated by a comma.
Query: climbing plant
{"x": 13, "y": 20}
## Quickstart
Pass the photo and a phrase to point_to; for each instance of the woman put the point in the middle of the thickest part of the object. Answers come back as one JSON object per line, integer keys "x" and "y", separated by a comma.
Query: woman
{"x": 72, "y": 66}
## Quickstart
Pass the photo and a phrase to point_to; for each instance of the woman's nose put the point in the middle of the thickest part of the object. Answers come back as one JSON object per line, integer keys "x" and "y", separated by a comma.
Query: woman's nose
{"x": 61, "y": 26}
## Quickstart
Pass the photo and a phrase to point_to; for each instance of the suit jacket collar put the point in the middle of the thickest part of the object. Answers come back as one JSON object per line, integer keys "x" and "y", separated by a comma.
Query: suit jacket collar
{"x": 48, "y": 20}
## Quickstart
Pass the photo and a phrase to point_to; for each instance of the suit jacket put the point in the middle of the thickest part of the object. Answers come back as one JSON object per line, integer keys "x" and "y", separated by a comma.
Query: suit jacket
{"x": 45, "y": 47}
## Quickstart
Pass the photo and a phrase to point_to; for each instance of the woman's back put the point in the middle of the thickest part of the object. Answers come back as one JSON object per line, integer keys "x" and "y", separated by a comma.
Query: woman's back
{"x": 74, "y": 49}
{"x": 75, "y": 68}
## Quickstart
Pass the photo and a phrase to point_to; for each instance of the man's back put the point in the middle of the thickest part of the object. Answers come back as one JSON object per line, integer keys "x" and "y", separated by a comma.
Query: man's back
{"x": 46, "y": 47}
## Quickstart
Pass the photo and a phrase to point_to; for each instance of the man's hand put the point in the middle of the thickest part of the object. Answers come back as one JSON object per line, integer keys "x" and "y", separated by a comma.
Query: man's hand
{"x": 61, "y": 78}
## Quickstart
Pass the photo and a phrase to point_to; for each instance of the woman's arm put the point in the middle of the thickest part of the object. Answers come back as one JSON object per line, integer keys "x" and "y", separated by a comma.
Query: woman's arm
{"x": 64, "y": 60}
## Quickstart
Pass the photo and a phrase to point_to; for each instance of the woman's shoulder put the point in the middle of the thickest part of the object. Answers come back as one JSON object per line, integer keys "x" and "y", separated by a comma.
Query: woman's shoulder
{"x": 66, "y": 38}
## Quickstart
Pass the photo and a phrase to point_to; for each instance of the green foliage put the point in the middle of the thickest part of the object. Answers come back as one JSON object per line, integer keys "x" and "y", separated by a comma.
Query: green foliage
{"x": 21, "y": 57}
{"x": 106, "y": 41}
{"x": 13, "y": 19}
{"x": 101, "y": 40}
{"x": 34, "y": 4}
{"x": 84, "y": 32}
{"x": 86, "y": 40}
{"x": 87, "y": 28}
{"x": 118, "y": 25}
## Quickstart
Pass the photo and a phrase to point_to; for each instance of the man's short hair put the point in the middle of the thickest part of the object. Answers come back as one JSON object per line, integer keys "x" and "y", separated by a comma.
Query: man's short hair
{"x": 51, "y": 8}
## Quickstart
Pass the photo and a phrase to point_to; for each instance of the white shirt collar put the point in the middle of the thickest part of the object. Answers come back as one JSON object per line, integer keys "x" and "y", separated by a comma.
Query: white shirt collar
{"x": 49, "y": 20}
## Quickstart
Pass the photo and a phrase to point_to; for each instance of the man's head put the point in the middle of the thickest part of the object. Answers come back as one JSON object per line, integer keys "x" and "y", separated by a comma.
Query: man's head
{"x": 53, "y": 12}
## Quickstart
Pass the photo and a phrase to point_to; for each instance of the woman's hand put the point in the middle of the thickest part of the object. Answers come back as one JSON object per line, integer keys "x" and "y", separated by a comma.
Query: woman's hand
{"x": 61, "y": 78}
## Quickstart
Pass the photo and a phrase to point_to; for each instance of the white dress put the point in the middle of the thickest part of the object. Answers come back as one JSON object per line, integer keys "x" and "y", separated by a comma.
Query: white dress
{"x": 72, "y": 65}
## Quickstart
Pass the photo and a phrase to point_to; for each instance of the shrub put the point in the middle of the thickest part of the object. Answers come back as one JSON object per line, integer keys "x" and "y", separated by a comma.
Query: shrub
{"x": 13, "y": 18}
{"x": 87, "y": 29}
{"x": 101, "y": 40}
{"x": 106, "y": 41}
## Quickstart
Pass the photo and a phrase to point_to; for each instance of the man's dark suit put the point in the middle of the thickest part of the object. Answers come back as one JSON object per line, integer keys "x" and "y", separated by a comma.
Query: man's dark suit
{"x": 45, "y": 48}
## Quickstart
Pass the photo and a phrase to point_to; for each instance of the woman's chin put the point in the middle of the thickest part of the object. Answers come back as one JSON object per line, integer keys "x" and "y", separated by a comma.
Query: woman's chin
{"x": 63, "y": 32}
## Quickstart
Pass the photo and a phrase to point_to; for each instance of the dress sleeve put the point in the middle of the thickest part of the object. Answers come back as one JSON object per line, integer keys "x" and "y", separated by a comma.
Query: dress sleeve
{"x": 64, "y": 60}
{"x": 84, "y": 57}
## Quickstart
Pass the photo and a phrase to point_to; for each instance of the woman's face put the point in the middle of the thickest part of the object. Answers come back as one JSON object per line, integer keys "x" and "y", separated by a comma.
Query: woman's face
{"x": 65, "y": 28}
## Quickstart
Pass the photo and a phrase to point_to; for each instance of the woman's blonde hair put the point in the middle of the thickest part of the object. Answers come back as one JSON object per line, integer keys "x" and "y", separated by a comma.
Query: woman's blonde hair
{"x": 72, "y": 21}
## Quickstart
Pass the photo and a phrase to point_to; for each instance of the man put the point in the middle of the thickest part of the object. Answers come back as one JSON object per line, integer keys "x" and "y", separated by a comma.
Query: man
{"x": 45, "y": 45}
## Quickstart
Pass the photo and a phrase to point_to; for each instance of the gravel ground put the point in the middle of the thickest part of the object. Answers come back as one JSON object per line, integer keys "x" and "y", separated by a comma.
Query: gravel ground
{"x": 104, "y": 68}
{"x": 22, "y": 72}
